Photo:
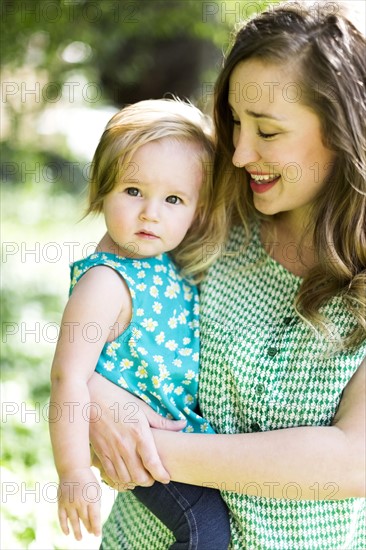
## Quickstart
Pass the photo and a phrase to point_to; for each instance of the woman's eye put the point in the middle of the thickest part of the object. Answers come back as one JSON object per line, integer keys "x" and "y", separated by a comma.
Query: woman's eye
{"x": 173, "y": 199}
{"x": 132, "y": 191}
{"x": 236, "y": 122}
{"x": 266, "y": 136}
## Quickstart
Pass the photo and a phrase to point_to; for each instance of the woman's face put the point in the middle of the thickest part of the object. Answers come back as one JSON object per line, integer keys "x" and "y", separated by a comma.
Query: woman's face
{"x": 277, "y": 139}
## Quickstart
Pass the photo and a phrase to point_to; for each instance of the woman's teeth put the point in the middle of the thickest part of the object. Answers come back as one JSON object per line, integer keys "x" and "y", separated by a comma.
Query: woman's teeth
{"x": 259, "y": 178}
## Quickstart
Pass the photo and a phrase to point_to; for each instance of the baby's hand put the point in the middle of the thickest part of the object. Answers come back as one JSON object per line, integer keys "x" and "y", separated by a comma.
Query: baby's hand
{"x": 79, "y": 496}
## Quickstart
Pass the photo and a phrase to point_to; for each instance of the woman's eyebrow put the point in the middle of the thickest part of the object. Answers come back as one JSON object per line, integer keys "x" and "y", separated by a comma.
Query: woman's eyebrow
{"x": 264, "y": 115}
{"x": 259, "y": 115}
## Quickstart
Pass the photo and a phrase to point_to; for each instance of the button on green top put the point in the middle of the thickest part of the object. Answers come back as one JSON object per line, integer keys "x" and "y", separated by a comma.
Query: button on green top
{"x": 255, "y": 427}
{"x": 272, "y": 351}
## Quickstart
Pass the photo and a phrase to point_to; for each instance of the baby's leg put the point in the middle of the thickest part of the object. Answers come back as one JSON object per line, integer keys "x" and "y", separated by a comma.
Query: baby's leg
{"x": 197, "y": 516}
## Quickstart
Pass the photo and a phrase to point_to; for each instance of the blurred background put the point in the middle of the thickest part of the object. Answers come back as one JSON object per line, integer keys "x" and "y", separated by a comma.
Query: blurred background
{"x": 67, "y": 66}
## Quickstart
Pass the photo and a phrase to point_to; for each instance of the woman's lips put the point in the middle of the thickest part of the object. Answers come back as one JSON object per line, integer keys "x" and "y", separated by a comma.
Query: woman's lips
{"x": 262, "y": 183}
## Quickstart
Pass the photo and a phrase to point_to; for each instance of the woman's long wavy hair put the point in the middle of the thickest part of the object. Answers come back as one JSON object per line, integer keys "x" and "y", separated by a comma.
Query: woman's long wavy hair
{"x": 148, "y": 121}
{"x": 327, "y": 54}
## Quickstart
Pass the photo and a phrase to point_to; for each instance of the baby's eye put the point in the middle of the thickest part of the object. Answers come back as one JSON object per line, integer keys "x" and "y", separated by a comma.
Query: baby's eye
{"x": 132, "y": 191}
{"x": 173, "y": 199}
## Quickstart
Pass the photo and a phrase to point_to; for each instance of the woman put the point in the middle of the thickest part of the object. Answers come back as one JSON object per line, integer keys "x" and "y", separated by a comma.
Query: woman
{"x": 282, "y": 311}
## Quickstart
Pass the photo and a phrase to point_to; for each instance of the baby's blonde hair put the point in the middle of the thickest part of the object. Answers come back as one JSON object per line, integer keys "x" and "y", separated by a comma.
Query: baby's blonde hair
{"x": 151, "y": 120}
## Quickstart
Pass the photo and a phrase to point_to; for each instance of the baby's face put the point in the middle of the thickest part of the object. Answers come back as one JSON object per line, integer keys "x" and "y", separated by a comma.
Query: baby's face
{"x": 151, "y": 209}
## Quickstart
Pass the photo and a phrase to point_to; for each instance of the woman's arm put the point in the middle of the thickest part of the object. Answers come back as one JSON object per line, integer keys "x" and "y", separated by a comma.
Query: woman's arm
{"x": 300, "y": 463}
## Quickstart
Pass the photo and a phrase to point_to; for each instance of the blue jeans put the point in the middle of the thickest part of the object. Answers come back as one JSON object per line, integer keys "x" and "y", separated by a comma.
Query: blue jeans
{"x": 197, "y": 516}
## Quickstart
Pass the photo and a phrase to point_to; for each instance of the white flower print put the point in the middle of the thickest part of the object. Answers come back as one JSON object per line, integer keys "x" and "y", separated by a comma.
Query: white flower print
{"x": 190, "y": 375}
{"x": 149, "y": 324}
{"x": 146, "y": 265}
{"x": 182, "y": 318}
{"x": 160, "y": 269}
{"x": 113, "y": 264}
{"x": 189, "y": 429}
{"x": 159, "y": 339}
{"x": 157, "y": 280}
{"x": 172, "y": 291}
{"x": 171, "y": 344}
{"x": 141, "y": 274}
{"x": 142, "y": 386}
{"x": 122, "y": 382}
{"x": 204, "y": 427}
{"x": 141, "y": 370}
{"x": 157, "y": 307}
{"x": 188, "y": 296}
{"x": 111, "y": 349}
{"x": 154, "y": 292}
{"x": 142, "y": 351}
{"x": 145, "y": 398}
{"x": 156, "y": 382}
{"x": 186, "y": 340}
{"x": 189, "y": 399}
{"x": 177, "y": 363}
{"x": 158, "y": 358}
{"x": 179, "y": 390}
{"x": 136, "y": 264}
{"x": 196, "y": 357}
{"x": 140, "y": 312}
{"x": 168, "y": 388}
{"x": 185, "y": 352}
{"x": 163, "y": 372}
{"x": 172, "y": 274}
{"x": 77, "y": 272}
{"x": 173, "y": 323}
{"x": 126, "y": 364}
{"x": 108, "y": 365}
{"x": 141, "y": 287}
{"x": 196, "y": 309}
{"x": 136, "y": 333}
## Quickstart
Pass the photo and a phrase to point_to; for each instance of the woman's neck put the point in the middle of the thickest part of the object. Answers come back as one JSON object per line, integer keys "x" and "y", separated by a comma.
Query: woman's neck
{"x": 287, "y": 241}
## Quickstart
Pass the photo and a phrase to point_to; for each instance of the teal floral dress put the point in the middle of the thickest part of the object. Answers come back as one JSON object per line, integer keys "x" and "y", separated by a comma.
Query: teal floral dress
{"x": 157, "y": 356}
{"x": 262, "y": 368}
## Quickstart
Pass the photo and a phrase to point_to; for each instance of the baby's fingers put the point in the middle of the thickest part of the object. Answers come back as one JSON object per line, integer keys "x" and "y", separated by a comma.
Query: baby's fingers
{"x": 75, "y": 524}
{"x": 62, "y": 517}
{"x": 94, "y": 519}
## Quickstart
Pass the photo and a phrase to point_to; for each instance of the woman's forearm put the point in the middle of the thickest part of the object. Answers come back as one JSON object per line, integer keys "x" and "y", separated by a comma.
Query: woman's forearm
{"x": 295, "y": 463}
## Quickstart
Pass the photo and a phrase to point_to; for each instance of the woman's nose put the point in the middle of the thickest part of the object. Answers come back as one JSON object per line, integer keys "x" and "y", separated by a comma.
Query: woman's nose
{"x": 245, "y": 151}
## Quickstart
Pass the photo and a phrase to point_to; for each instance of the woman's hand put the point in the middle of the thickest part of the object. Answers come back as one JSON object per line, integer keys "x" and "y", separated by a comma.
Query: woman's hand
{"x": 120, "y": 433}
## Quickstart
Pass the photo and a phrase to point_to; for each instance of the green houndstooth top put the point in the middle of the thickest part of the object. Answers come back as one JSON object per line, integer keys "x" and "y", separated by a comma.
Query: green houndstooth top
{"x": 262, "y": 368}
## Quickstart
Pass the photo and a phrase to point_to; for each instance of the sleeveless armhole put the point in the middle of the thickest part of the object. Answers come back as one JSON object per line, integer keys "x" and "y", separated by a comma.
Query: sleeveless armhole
{"x": 116, "y": 263}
